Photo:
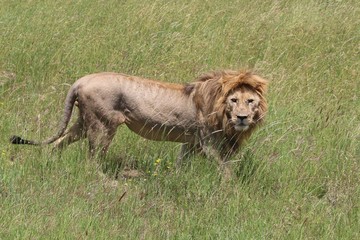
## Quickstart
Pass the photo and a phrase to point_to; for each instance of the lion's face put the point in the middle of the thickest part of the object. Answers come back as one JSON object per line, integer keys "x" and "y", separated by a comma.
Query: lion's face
{"x": 242, "y": 108}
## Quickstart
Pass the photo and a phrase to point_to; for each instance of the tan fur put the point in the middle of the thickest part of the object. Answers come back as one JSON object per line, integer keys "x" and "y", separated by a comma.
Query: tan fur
{"x": 211, "y": 115}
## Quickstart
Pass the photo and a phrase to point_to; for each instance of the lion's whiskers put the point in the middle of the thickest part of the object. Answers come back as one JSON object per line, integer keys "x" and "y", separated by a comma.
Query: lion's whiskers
{"x": 261, "y": 117}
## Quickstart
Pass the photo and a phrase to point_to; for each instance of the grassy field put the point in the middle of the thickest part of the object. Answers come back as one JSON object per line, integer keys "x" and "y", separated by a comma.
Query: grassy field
{"x": 297, "y": 177}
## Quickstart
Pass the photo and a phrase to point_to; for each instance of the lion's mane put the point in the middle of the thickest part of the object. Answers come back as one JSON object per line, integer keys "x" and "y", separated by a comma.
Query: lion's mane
{"x": 210, "y": 93}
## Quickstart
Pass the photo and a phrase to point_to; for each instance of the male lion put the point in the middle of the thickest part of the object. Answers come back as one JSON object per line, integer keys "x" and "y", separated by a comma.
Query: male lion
{"x": 212, "y": 115}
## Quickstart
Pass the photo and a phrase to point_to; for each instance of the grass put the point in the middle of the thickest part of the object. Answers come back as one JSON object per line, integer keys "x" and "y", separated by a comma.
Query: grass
{"x": 297, "y": 177}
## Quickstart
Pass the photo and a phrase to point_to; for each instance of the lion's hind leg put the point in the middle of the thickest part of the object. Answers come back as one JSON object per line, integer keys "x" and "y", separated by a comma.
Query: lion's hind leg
{"x": 75, "y": 133}
{"x": 101, "y": 131}
{"x": 100, "y": 137}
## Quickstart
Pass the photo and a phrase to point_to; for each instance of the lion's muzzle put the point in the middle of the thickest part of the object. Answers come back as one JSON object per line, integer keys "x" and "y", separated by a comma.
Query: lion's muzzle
{"x": 241, "y": 122}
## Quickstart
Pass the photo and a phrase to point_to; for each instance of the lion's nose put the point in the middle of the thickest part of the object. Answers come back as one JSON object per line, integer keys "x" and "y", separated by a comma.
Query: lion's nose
{"x": 242, "y": 117}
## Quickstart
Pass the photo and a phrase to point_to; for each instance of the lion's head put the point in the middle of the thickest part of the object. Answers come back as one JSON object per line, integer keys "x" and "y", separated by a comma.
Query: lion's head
{"x": 242, "y": 108}
{"x": 232, "y": 102}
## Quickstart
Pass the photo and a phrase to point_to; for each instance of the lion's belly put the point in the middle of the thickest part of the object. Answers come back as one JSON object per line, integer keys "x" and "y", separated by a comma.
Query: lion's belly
{"x": 163, "y": 133}
{"x": 156, "y": 127}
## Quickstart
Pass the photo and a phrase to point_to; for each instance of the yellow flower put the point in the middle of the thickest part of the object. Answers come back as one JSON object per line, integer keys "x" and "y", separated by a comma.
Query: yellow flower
{"x": 157, "y": 161}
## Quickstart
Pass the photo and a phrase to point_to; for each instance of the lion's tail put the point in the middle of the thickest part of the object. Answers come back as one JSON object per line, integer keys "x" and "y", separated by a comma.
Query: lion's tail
{"x": 69, "y": 105}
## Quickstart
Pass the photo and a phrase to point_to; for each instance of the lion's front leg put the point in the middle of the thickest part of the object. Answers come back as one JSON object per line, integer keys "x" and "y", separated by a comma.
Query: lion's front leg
{"x": 223, "y": 161}
{"x": 184, "y": 153}
{"x": 211, "y": 149}
{"x": 187, "y": 151}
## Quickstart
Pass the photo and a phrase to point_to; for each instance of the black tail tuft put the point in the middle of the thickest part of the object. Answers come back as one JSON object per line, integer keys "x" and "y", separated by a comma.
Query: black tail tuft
{"x": 15, "y": 140}
{"x": 19, "y": 140}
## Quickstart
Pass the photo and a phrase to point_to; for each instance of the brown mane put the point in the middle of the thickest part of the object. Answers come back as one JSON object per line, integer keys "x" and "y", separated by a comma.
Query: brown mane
{"x": 211, "y": 91}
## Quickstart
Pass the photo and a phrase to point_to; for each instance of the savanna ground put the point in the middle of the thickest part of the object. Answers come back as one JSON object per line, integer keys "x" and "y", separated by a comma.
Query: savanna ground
{"x": 296, "y": 178}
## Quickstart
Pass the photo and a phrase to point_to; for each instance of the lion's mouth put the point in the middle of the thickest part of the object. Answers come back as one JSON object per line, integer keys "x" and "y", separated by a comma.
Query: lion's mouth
{"x": 240, "y": 124}
{"x": 241, "y": 127}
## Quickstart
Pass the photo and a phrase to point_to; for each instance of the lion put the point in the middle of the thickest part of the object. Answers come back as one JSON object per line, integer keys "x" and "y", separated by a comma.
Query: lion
{"x": 212, "y": 115}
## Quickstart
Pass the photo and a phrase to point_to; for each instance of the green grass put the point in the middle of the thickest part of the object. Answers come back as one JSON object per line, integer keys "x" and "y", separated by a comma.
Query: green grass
{"x": 297, "y": 177}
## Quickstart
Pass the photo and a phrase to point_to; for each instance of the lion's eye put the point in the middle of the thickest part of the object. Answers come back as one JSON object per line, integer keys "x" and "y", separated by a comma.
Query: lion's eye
{"x": 234, "y": 100}
{"x": 250, "y": 100}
